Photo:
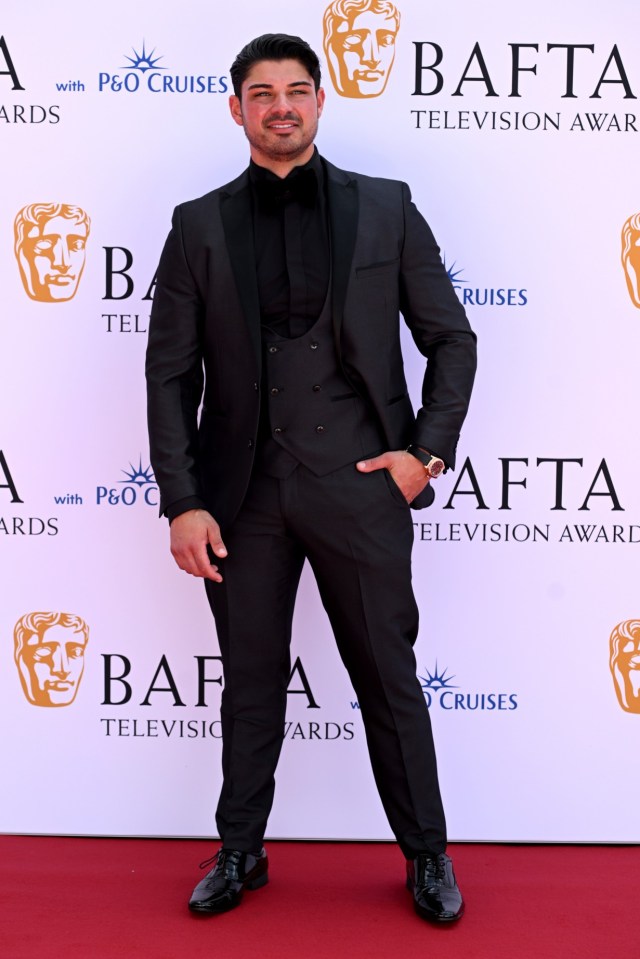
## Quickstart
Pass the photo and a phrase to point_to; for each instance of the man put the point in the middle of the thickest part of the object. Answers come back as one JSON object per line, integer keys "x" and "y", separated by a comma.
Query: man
{"x": 49, "y": 654}
{"x": 286, "y": 286}
{"x": 360, "y": 45}
{"x": 50, "y": 241}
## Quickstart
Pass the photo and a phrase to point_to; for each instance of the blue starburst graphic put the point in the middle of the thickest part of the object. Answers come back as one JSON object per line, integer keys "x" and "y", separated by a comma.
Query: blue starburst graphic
{"x": 143, "y": 61}
{"x": 138, "y": 475}
{"x": 437, "y": 680}
{"x": 454, "y": 275}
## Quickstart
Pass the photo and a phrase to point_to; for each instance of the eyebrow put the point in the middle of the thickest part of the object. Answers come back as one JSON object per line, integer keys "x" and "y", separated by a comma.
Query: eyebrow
{"x": 269, "y": 86}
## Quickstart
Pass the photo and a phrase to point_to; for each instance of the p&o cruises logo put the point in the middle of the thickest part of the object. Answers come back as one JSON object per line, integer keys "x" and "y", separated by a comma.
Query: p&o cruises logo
{"x": 470, "y": 295}
{"x": 138, "y": 487}
{"x": 143, "y": 71}
{"x": 440, "y": 690}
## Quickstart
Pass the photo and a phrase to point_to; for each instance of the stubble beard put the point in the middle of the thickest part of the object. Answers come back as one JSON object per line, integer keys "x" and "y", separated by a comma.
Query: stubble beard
{"x": 280, "y": 148}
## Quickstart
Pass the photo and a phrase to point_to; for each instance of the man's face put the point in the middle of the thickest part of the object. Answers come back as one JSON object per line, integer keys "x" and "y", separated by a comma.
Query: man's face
{"x": 279, "y": 110}
{"x": 51, "y": 666}
{"x": 52, "y": 259}
{"x": 360, "y": 54}
{"x": 632, "y": 268}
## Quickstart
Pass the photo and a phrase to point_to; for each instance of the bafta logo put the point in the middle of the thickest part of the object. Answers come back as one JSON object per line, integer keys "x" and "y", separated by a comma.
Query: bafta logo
{"x": 360, "y": 45}
{"x": 631, "y": 257}
{"x": 50, "y": 241}
{"x": 49, "y": 654}
{"x": 625, "y": 664}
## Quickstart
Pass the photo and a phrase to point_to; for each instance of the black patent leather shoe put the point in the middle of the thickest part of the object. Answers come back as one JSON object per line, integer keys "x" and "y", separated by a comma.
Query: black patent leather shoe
{"x": 435, "y": 891}
{"x": 222, "y": 887}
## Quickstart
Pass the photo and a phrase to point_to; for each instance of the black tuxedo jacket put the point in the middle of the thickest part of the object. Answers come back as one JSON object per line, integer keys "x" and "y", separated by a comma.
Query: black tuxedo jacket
{"x": 205, "y": 339}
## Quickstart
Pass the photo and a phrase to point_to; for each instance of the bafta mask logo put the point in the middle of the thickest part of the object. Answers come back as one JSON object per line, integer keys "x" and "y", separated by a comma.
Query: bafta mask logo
{"x": 360, "y": 45}
{"x": 50, "y": 241}
{"x": 49, "y": 654}
{"x": 625, "y": 664}
{"x": 631, "y": 257}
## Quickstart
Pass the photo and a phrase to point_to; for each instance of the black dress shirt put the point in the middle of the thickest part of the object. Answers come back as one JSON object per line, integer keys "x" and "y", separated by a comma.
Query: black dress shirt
{"x": 291, "y": 239}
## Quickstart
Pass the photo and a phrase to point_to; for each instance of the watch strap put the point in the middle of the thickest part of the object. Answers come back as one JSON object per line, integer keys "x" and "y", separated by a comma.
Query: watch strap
{"x": 420, "y": 454}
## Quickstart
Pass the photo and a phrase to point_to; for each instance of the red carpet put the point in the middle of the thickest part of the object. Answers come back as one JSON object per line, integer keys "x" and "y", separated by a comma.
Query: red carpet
{"x": 126, "y": 898}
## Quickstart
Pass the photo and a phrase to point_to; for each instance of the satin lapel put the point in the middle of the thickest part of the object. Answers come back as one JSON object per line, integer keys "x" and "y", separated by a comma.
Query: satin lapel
{"x": 237, "y": 222}
{"x": 343, "y": 218}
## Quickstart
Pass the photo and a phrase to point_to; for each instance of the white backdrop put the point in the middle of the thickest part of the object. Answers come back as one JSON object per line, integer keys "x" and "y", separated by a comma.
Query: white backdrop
{"x": 520, "y": 584}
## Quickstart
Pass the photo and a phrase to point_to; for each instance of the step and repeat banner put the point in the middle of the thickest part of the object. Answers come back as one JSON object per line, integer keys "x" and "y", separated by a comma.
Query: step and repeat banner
{"x": 518, "y": 129}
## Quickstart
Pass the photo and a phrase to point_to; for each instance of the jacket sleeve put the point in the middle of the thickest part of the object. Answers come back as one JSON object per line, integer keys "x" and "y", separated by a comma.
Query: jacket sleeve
{"x": 441, "y": 332}
{"x": 174, "y": 373}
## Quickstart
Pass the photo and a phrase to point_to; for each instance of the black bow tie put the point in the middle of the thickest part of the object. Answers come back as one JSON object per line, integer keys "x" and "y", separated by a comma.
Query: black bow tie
{"x": 301, "y": 185}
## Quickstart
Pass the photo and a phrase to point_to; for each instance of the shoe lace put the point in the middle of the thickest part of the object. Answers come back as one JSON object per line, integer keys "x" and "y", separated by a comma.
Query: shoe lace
{"x": 434, "y": 870}
{"x": 210, "y": 860}
{"x": 221, "y": 856}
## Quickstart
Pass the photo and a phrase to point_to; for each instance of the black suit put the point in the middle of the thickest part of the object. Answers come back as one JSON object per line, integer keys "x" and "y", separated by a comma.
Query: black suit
{"x": 206, "y": 310}
{"x": 206, "y": 313}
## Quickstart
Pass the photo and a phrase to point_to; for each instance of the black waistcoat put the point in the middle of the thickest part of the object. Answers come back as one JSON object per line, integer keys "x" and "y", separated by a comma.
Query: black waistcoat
{"x": 311, "y": 414}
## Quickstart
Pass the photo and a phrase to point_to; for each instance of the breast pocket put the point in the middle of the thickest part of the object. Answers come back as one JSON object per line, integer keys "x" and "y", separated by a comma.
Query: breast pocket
{"x": 382, "y": 268}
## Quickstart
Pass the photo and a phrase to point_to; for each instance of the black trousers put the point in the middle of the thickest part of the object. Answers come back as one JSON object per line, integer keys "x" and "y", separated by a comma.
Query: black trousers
{"x": 356, "y": 531}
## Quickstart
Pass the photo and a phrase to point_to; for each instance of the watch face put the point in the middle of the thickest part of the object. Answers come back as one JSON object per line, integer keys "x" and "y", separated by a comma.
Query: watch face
{"x": 435, "y": 467}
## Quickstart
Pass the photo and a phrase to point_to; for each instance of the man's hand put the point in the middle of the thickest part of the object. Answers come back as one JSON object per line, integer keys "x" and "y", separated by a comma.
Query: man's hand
{"x": 191, "y": 532}
{"x": 407, "y": 471}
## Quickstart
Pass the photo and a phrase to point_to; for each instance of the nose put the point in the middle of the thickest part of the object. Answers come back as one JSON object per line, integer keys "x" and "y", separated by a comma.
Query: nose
{"x": 61, "y": 258}
{"x": 281, "y": 103}
{"x": 60, "y": 665}
{"x": 371, "y": 51}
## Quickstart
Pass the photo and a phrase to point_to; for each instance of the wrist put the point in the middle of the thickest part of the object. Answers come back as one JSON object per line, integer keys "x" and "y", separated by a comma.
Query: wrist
{"x": 433, "y": 465}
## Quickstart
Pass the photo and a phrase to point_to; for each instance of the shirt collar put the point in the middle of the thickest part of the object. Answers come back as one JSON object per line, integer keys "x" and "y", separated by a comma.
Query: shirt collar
{"x": 261, "y": 174}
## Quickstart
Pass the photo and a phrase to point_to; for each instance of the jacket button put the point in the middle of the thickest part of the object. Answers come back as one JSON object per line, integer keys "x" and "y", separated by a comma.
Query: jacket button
{"x": 274, "y": 391}
{"x": 316, "y": 388}
{"x": 278, "y": 430}
{"x": 319, "y": 429}
{"x": 250, "y": 444}
{"x": 314, "y": 345}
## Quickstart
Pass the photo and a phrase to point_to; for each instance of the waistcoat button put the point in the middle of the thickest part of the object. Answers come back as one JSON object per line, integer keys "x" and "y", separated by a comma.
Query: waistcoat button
{"x": 314, "y": 345}
{"x": 278, "y": 429}
{"x": 319, "y": 429}
{"x": 274, "y": 391}
{"x": 273, "y": 349}
{"x": 316, "y": 388}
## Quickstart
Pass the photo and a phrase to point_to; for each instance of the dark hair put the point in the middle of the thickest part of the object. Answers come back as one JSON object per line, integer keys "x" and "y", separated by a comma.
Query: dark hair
{"x": 274, "y": 46}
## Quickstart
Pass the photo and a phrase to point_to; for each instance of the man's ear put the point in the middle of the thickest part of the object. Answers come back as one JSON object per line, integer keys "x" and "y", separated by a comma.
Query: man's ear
{"x": 320, "y": 96}
{"x": 235, "y": 108}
